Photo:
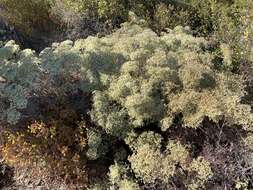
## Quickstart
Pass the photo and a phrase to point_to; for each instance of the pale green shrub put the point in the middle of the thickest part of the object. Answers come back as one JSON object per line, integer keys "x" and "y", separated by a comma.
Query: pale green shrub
{"x": 174, "y": 68}
{"x": 119, "y": 177}
{"x": 138, "y": 81}
{"x": 143, "y": 77}
{"x": 152, "y": 165}
{"x": 20, "y": 73}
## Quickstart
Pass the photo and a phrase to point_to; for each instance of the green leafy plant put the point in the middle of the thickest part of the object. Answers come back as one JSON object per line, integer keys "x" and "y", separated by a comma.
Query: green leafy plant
{"x": 27, "y": 16}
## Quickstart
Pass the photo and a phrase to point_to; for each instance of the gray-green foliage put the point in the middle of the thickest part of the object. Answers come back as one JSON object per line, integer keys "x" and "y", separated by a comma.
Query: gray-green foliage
{"x": 63, "y": 68}
{"x": 113, "y": 119}
{"x": 150, "y": 164}
{"x": 94, "y": 143}
{"x": 98, "y": 144}
{"x": 136, "y": 78}
{"x": 19, "y": 72}
{"x": 85, "y": 64}
{"x": 167, "y": 75}
{"x": 119, "y": 177}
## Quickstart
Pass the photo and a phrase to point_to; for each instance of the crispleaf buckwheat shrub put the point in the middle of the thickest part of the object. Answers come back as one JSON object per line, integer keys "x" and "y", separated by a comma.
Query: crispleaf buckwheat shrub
{"x": 165, "y": 76}
{"x": 19, "y": 72}
{"x": 161, "y": 78}
{"x": 152, "y": 165}
{"x": 135, "y": 89}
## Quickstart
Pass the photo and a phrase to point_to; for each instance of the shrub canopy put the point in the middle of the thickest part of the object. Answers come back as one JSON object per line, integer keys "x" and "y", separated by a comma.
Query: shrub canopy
{"x": 136, "y": 79}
